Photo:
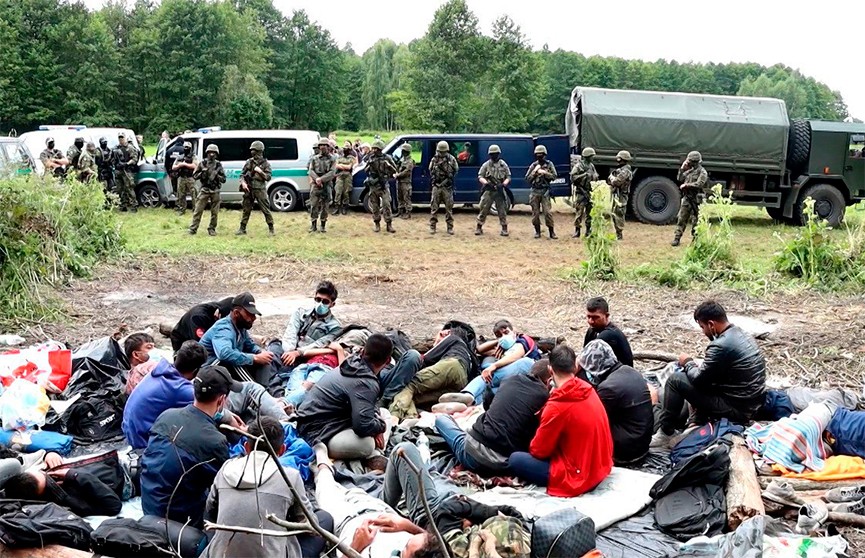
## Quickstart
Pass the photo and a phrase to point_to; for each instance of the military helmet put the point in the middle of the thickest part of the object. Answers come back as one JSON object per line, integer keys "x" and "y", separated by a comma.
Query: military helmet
{"x": 588, "y": 152}
{"x": 121, "y": 135}
{"x": 212, "y": 147}
{"x": 79, "y": 139}
{"x": 48, "y": 140}
{"x": 256, "y": 146}
{"x": 323, "y": 141}
{"x": 406, "y": 147}
{"x": 103, "y": 139}
{"x": 442, "y": 146}
{"x": 494, "y": 149}
{"x": 91, "y": 146}
{"x": 187, "y": 144}
{"x": 378, "y": 144}
{"x": 540, "y": 149}
{"x": 623, "y": 155}
{"x": 694, "y": 156}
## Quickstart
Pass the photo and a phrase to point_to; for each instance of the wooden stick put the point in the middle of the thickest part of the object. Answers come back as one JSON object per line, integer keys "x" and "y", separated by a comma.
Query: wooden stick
{"x": 422, "y": 493}
{"x": 208, "y": 526}
{"x": 853, "y": 519}
{"x": 744, "y": 496}
{"x": 805, "y": 484}
{"x": 656, "y": 355}
{"x": 50, "y": 551}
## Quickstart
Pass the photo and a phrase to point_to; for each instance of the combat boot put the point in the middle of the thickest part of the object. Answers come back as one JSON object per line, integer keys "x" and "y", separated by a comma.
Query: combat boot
{"x": 588, "y": 230}
{"x": 504, "y": 231}
{"x": 344, "y": 210}
{"x": 553, "y": 234}
{"x": 576, "y": 232}
{"x": 619, "y": 235}
{"x": 192, "y": 232}
{"x": 479, "y": 230}
{"x": 323, "y": 227}
{"x": 240, "y": 232}
{"x": 377, "y": 226}
{"x": 211, "y": 232}
{"x": 450, "y": 229}
{"x": 537, "y": 231}
{"x": 270, "y": 230}
{"x": 313, "y": 227}
{"x": 408, "y": 214}
{"x": 676, "y": 240}
{"x": 432, "y": 228}
{"x": 390, "y": 227}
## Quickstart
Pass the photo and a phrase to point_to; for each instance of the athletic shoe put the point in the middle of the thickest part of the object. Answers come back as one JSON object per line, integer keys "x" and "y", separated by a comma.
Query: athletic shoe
{"x": 661, "y": 440}
{"x": 845, "y": 494}
{"x": 466, "y": 399}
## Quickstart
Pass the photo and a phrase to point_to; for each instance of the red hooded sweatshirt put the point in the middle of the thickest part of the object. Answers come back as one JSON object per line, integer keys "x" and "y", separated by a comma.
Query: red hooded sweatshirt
{"x": 574, "y": 436}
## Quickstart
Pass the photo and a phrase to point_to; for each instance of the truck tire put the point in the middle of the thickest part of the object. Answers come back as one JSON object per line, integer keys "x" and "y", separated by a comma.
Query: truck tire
{"x": 829, "y": 204}
{"x": 656, "y": 201}
{"x": 798, "y": 145}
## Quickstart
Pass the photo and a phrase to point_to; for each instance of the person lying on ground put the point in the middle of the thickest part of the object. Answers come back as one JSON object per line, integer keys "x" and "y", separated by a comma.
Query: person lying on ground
{"x": 572, "y": 451}
{"x": 13, "y": 463}
{"x": 730, "y": 383}
{"x": 373, "y": 526}
{"x": 198, "y": 320}
{"x": 186, "y": 449}
{"x": 247, "y": 489}
{"x": 444, "y": 369}
{"x": 340, "y": 410}
{"x": 509, "y": 354}
{"x": 229, "y": 344}
{"x": 507, "y": 426}
{"x": 600, "y": 327}
{"x": 625, "y": 395}
{"x": 311, "y": 330}
{"x": 137, "y": 348}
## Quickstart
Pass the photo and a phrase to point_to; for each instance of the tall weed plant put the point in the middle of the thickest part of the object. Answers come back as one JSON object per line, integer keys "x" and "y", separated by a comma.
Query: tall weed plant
{"x": 602, "y": 263}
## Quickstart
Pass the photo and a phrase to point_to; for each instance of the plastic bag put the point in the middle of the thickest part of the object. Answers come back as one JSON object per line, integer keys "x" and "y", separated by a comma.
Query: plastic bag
{"x": 24, "y": 405}
{"x": 97, "y": 365}
{"x": 48, "y": 365}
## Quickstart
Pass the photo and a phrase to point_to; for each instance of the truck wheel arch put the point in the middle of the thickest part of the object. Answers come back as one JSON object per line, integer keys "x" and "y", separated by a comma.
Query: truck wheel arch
{"x": 655, "y": 200}
{"x": 831, "y": 196}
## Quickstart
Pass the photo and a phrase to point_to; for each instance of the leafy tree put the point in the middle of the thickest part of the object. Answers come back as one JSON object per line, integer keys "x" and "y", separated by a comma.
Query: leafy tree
{"x": 243, "y": 102}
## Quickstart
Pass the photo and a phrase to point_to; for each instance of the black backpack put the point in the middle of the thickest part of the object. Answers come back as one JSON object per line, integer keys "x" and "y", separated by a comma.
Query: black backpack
{"x": 98, "y": 418}
{"x": 38, "y": 525}
{"x": 146, "y": 538}
{"x": 709, "y": 466}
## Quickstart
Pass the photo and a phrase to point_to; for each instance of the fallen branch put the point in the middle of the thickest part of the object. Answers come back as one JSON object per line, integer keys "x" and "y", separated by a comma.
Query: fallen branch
{"x": 208, "y": 526}
{"x": 422, "y": 493}
{"x": 805, "y": 484}
{"x": 744, "y": 497}
{"x": 656, "y": 355}
{"x": 853, "y": 519}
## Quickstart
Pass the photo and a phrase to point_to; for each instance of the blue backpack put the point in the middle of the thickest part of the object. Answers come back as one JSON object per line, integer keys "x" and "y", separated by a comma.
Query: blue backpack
{"x": 701, "y": 438}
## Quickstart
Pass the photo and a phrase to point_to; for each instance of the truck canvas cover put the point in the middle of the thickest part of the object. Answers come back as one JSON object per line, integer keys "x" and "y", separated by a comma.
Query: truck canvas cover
{"x": 732, "y": 132}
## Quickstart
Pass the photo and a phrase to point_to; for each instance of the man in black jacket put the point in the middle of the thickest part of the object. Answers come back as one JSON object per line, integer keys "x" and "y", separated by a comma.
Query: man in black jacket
{"x": 197, "y": 320}
{"x": 508, "y": 425}
{"x": 600, "y": 327}
{"x": 340, "y": 410}
{"x": 730, "y": 382}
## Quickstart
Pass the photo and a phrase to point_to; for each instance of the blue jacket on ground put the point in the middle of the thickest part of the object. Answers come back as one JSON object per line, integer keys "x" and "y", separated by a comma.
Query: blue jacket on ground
{"x": 164, "y": 388}
{"x": 848, "y": 429}
{"x": 230, "y": 346}
{"x": 181, "y": 440}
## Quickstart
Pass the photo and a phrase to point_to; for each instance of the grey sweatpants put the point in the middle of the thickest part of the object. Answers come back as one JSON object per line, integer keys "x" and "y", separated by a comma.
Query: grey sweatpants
{"x": 348, "y": 445}
{"x": 246, "y": 403}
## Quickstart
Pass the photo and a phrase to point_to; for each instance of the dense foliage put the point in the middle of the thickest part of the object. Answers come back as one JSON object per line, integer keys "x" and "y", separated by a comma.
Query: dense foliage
{"x": 178, "y": 64}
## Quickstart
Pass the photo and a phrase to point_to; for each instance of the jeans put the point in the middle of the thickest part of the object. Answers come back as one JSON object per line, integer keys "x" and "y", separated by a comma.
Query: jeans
{"x": 311, "y": 544}
{"x": 679, "y": 390}
{"x": 246, "y": 403}
{"x": 395, "y": 377}
{"x": 530, "y": 469}
{"x": 477, "y": 386}
{"x": 400, "y": 480}
{"x": 294, "y": 390}
{"x": 455, "y": 437}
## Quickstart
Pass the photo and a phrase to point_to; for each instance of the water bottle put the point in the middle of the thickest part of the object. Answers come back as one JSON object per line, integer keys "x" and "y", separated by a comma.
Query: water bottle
{"x": 423, "y": 447}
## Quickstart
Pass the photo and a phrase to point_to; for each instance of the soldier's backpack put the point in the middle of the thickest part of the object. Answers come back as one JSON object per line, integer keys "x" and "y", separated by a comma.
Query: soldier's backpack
{"x": 563, "y": 534}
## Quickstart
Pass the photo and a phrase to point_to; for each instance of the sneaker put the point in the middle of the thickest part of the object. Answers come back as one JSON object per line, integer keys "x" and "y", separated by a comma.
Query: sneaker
{"x": 461, "y": 397}
{"x": 811, "y": 517}
{"x": 782, "y": 492}
{"x": 448, "y": 408}
{"x": 845, "y": 494}
{"x": 661, "y": 440}
{"x": 857, "y": 507}
{"x": 321, "y": 457}
{"x": 29, "y": 460}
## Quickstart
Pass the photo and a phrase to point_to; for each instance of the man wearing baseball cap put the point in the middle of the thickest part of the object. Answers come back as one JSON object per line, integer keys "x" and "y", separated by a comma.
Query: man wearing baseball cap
{"x": 186, "y": 450}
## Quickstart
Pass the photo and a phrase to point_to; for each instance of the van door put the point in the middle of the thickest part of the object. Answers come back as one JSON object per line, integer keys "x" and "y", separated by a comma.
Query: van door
{"x": 466, "y": 181}
{"x": 233, "y": 153}
{"x": 418, "y": 176}
{"x": 854, "y": 171}
{"x": 559, "y": 152}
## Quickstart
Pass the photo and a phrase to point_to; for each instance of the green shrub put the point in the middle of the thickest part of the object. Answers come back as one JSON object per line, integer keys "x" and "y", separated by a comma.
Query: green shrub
{"x": 49, "y": 232}
{"x": 602, "y": 263}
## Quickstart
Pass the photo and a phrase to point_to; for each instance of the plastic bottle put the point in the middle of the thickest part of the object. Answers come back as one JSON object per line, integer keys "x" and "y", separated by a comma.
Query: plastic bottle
{"x": 423, "y": 447}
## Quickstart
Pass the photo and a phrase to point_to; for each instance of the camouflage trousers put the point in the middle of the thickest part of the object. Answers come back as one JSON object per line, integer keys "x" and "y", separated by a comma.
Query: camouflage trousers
{"x": 379, "y": 202}
{"x": 689, "y": 212}
{"x": 442, "y": 196}
{"x": 540, "y": 202}
{"x": 582, "y": 208}
{"x": 318, "y": 198}
{"x": 206, "y": 196}
{"x": 125, "y": 182}
{"x": 185, "y": 187}
{"x": 342, "y": 195}
{"x": 403, "y": 193}
{"x": 430, "y": 383}
{"x": 497, "y": 197}
{"x": 249, "y": 198}
{"x": 620, "y": 207}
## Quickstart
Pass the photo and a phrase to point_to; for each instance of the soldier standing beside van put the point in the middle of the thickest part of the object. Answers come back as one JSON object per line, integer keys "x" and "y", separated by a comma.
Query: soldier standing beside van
{"x": 403, "y": 181}
{"x": 254, "y": 176}
{"x": 494, "y": 176}
{"x": 344, "y": 165}
{"x": 87, "y": 168}
{"x": 53, "y": 160}
{"x": 74, "y": 152}
{"x": 620, "y": 188}
{"x": 126, "y": 164}
{"x": 379, "y": 169}
{"x": 184, "y": 166}
{"x": 105, "y": 162}
{"x": 321, "y": 170}
{"x": 442, "y": 169}
{"x": 581, "y": 183}
{"x": 693, "y": 177}
{"x": 212, "y": 176}
{"x": 541, "y": 172}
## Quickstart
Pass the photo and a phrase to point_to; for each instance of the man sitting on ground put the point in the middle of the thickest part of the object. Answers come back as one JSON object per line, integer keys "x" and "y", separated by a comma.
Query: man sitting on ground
{"x": 311, "y": 330}
{"x": 600, "y": 327}
{"x": 507, "y": 426}
{"x": 509, "y": 354}
{"x": 137, "y": 348}
{"x": 572, "y": 451}
{"x": 197, "y": 320}
{"x": 625, "y": 395}
{"x": 730, "y": 383}
{"x": 340, "y": 411}
{"x": 186, "y": 450}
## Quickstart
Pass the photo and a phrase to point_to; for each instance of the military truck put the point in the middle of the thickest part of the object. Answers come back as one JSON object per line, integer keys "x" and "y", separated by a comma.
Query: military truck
{"x": 749, "y": 145}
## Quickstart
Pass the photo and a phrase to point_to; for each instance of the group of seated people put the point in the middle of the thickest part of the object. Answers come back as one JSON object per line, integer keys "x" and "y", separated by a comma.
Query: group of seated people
{"x": 559, "y": 421}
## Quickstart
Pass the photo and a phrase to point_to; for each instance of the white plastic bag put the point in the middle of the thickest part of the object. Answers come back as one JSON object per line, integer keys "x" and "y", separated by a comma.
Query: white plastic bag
{"x": 23, "y": 405}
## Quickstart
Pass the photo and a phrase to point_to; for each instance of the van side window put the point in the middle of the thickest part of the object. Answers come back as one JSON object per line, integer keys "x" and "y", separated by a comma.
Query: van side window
{"x": 466, "y": 153}
{"x": 416, "y": 151}
{"x": 280, "y": 149}
{"x": 233, "y": 149}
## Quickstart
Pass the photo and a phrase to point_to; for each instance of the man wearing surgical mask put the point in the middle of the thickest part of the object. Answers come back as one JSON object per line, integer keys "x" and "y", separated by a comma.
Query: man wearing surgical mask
{"x": 311, "y": 330}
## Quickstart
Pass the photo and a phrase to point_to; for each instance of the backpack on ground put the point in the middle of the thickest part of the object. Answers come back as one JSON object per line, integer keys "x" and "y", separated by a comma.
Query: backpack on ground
{"x": 701, "y": 438}
{"x": 563, "y": 534}
{"x": 709, "y": 466}
{"x": 38, "y": 525}
{"x": 146, "y": 538}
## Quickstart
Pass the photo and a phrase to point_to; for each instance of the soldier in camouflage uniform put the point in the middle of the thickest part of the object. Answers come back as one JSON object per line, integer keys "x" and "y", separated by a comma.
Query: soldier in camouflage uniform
{"x": 442, "y": 169}
{"x": 494, "y": 176}
{"x": 620, "y": 189}
{"x": 125, "y": 166}
{"x": 53, "y": 160}
{"x": 321, "y": 170}
{"x": 541, "y": 172}
{"x": 582, "y": 176}
{"x": 87, "y": 169}
{"x": 74, "y": 152}
{"x": 212, "y": 176}
{"x": 693, "y": 177}
{"x": 105, "y": 162}
{"x": 184, "y": 166}
{"x": 344, "y": 165}
{"x": 379, "y": 169}
{"x": 254, "y": 176}
{"x": 403, "y": 181}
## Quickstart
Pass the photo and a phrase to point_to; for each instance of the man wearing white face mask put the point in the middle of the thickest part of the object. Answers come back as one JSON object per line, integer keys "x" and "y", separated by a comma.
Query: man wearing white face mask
{"x": 311, "y": 330}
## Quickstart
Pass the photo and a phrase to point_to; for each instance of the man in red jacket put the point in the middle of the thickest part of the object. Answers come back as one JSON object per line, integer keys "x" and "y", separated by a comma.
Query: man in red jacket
{"x": 572, "y": 451}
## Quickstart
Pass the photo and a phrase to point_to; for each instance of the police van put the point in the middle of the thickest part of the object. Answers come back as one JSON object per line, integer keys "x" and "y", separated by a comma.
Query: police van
{"x": 64, "y": 136}
{"x": 288, "y": 152}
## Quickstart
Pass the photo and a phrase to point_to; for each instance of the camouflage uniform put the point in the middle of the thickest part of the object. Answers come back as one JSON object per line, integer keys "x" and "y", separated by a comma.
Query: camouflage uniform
{"x": 442, "y": 168}
{"x": 403, "y": 184}
{"x": 185, "y": 181}
{"x": 513, "y": 540}
{"x": 495, "y": 172}
{"x": 52, "y": 154}
{"x": 343, "y": 184}
{"x": 105, "y": 162}
{"x": 212, "y": 176}
{"x": 379, "y": 168}
{"x": 582, "y": 176}
{"x": 620, "y": 189}
{"x": 126, "y": 157}
{"x": 256, "y": 190}
{"x": 539, "y": 198}
{"x": 74, "y": 152}
{"x": 693, "y": 179}
{"x": 87, "y": 169}
{"x": 321, "y": 167}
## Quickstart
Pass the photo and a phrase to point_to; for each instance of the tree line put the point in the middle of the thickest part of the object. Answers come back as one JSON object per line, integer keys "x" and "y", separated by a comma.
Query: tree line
{"x": 181, "y": 64}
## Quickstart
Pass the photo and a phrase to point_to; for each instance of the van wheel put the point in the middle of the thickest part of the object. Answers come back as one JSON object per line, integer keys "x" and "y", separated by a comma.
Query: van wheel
{"x": 148, "y": 196}
{"x": 829, "y": 204}
{"x": 656, "y": 200}
{"x": 283, "y": 198}
{"x": 364, "y": 202}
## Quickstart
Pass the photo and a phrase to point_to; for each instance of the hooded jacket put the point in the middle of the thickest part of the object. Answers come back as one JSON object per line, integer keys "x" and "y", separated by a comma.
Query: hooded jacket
{"x": 574, "y": 435}
{"x": 244, "y": 492}
{"x": 342, "y": 401}
{"x": 162, "y": 389}
{"x": 625, "y": 395}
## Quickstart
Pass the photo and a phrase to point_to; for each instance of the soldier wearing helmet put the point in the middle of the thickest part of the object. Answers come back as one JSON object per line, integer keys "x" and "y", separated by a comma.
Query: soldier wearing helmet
{"x": 620, "y": 189}
{"x": 105, "y": 162}
{"x": 582, "y": 176}
{"x": 379, "y": 170}
{"x": 541, "y": 172}
{"x": 211, "y": 175}
{"x": 404, "y": 171}
{"x": 494, "y": 176}
{"x": 254, "y": 176}
{"x": 693, "y": 177}
{"x": 321, "y": 170}
{"x": 87, "y": 169}
{"x": 125, "y": 167}
{"x": 442, "y": 169}
{"x": 344, "y": 165}
{"x": 53, "y": 160}
{"x": 184, "y": 166}
{"x": 74, "y": 152}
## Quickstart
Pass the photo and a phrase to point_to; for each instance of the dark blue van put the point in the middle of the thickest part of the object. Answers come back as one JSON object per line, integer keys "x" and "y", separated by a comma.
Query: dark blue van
{"x": 471, "y": 152}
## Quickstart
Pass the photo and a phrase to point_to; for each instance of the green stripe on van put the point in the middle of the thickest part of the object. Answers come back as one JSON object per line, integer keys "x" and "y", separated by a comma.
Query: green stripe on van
{"x": 152, "y": 174}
